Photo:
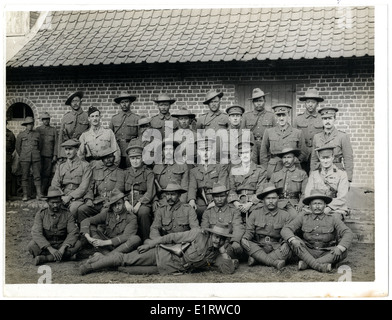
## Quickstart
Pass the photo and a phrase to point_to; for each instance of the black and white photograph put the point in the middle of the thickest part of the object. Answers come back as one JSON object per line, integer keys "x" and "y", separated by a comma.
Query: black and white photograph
{"x": 191, "y": 150}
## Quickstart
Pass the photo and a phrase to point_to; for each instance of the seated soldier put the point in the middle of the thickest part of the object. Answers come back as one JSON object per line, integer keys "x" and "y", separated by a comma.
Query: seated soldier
{"x": 119, "y": 227}
{"x": 193, "y": 250}
{"x": 105, "y": 177}
{"x": 325, "y": 238}
{"x": 226, "y": 213}
{"x": 175, "y": 216}
{"x": 54, "y": 232}
{"x": 246, "y": 180}
{"x": 262, "y": 239}
{"x": 140, "y": 188}
{"x": 72, "y": 177}
{"x": 292, "y": 180}
{"x": 331, "y": 180}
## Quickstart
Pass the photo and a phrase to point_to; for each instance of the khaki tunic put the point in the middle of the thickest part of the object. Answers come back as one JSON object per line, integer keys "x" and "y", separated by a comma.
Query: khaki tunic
{"x": 177, "y": 218}
{"x": 54, "y": 228}
{"x": 124, "y": 125}
{"x": 49, "y": 141}
{"x": 213, "y": 120}
{"x": 28, "y": 146}
{"x": 158, "y": 122}
{"x": 258, "y": 122}
{"x": 73, "y": 177}
{"x": 343, "y": 152}
{"x": 141, "y": 182}
{"x": 310, "y": 124}
{"x": 10, "y": 145}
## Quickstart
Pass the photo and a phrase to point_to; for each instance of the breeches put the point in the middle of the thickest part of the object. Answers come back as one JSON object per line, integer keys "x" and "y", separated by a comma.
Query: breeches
{"x": 25, "y": 166}
{"x": 135, "y": 258}
{"x": 35, "y": 250}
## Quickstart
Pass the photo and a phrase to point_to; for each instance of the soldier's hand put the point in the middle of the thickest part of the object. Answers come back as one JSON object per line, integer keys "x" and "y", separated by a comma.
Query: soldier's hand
{"x": 299, "y": 207}
{"x": 285, "y": 249}
{"x": 155, "y": 205}
{"x": 236, "y": 247}
{"x": 66, "y": 199}
{"x": 327, "y": 210}
{"x": 247, "y": 206}
{"x": 295, "y": 243}
{"x": 143, "y": 248}
{"x": 128, "y": 207}
{"x": 136, "y": 207}
{"x": 55, "y": 253}
{"x": 210, "y": 205}
{"x": 89, "y": 203}
{"x": 337, "y": 254}
{"x": 192, "y": 203}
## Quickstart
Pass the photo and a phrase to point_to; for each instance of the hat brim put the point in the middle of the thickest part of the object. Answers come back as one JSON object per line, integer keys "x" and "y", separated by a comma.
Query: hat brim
{"x": 258, "y": 96}
{"x": 318, "y": 99}
{"x": 309, "y": 199}
{"x": 79, "y": 94}
{"x": 220, "y": 95}
{"x": 175, "y": 144}
{"x": 263, "y": 194}
{"x": 295, "y": 152}
{"x": 116, "y": 198}
{"x": 171, "y": 101}
{"x": 130, "y": 98}
{"x": 226, "y": 235}
{"x": 26, "y": 123}
{"x": 220, "y": 191}
{"x": 190, "y": 115}
{"x": 180, "y": 190}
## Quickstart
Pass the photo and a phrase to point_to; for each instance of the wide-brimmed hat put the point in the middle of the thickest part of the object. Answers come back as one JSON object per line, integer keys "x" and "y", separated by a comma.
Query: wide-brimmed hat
{"x": 316, "y": 194}
{"x": 53, "y": 192}
{"x": 287, "y": 150}
{"x": 79, "y": 94}
{"x": 115, "y": 195}
{"x": 257, "y": 93}
{"x": 124, "y": 95}
{"x": 211, "y": 95}
{"x": 183, "y": 112}
{"x": 71, "y": 143}
{"x": 143, "y": 121}
{"x": 106, "y": 152}
{"x": 221, "y": 229}
{"x": 174, "y": 186}
{"x": 45, "y": 115}
{"x": 164, "y": 97}
{"x": 218, "y": 188}
{"x": 328, "y": 111}
{"x": 311, "y": 93}
{"x": 235, "y": 109}
{"x": 28, "y": 120}
{"x": 269, "y": 188}
{"x": 281, "y": 108}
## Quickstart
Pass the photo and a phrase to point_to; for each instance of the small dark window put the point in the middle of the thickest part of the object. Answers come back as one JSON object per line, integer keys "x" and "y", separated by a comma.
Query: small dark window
{"x": 19, "y": 111}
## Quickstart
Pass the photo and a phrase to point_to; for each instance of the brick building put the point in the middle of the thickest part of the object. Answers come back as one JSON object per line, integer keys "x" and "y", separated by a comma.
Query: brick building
{"x": 185, "y": 53}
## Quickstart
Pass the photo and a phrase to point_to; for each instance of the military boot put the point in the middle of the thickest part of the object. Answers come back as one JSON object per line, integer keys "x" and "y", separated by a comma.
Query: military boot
{"x": 261, "y": 257}
{"x": 25, "y": 194}
{"x": 39, "y": 195}
{"x": 43, "y": 259}
{"x": 111, "y": 260}
{"x": 309, "y": 260}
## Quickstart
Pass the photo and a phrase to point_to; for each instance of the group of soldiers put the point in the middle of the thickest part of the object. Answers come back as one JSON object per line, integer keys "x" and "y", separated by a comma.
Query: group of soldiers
{"x": 281, "y": 197}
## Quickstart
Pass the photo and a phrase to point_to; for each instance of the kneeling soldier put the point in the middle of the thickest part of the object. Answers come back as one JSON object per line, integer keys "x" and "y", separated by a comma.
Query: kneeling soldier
{"x": 262, "y": 239}
{"x": 175, "y": 216}
{"x": 55, "y": 233}
{"x": 119, "y": 234}
{"x": 194, "y": 249}
{"x": 325, "y": 239}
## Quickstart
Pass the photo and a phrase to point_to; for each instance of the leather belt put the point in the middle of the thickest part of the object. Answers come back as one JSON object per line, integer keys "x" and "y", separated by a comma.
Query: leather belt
{"x": 267, "y": 239}
{"x": 258, "y": 138}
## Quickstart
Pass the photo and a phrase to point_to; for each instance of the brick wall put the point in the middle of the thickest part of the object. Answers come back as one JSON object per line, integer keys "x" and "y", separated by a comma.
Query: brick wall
{"x": 346, "y": 83}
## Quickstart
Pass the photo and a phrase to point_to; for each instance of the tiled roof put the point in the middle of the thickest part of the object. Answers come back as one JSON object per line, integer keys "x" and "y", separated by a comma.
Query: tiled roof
{"x": 72, "y": 38}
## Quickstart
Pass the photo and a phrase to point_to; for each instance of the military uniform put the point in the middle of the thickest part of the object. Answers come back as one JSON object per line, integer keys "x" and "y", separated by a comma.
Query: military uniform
{"x": 139, "y": 184}
{"x": 201, "y": 180}
{"x": 92, "y": 143}
{"x": 257, "y": 123}
{"x": 343, "y": 152}
{"x": 263, "y": 233}
{"x": 73, "y": 178}
{"x": 120, "y": 228}
{"x": 103, "y": 181}
{"x": 229, "y": 146}
{"x": 213, "y": 120}
{"x": 48, "y": 151}
{"x": 9, "y": 150}
{"x": 73, "y": 124}
{"x": 169, "y": 219}
{"x": 159, "y": 120}
{"x": 293, "y": 182}
{"x": 320, "y": 234}
{"x": 334, "y": 183}
{"x": 28, "y": 146}
{"x": 54, "y": 229}
{"x": 274, "y": 140}
{"x": 310, "y": 124}
{"x": 125, "y": 127}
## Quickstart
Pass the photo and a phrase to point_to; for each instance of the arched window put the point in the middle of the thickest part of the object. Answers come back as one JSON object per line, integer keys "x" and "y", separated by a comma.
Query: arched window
{"x": 18, "y": 111}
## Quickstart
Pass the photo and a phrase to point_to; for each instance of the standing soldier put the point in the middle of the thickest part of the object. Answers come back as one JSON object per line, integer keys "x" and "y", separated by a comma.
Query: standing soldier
{"x": 291, "y": 180}
{"x": 49, "y": 150}
{"x": 9, "y": 150}
{"x": 124, "y": 125}
{"x": 343, "y": 150}
{"x": 97, "y": 139}
{"x": 258, "y": 120}
{"x": 105, "y": 177}
{"x": 281, "y": 136}
{"x": 73, "y": 123}
{"x": 164, "y": 120}
{"x": 203, "y": 176}
{"x": 28, "y": 146}
{"x": 262, "y": 239}
{"x": 331, "y": 180}
{"x": 72, "y": 177}
{"x": 309, "y": 122}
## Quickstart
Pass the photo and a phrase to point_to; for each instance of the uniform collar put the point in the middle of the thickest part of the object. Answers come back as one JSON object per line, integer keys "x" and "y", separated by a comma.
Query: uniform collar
{"x": 331, "y": 133}
{"x": 175, "y": 206}
{"x": 331, "y": 169}
{"x": 73, "y": 161}
{"x": 121, "y": 216}
{"x": 78, "y": 112}
{"x": 211, "y": 114}
{"x": 255, "y": 112}
{"x": 308, "y": 115}
{"x": 291, "y": 169}
{"x": 162, "y": 117}
{"x": 127, "y": 113}
{"x": 272, "y": 213}
{"x": 222, "y": 209}
{"x": 319, "y": 216}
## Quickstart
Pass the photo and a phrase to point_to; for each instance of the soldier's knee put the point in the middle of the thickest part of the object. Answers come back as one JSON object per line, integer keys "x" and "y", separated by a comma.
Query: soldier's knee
{"x": 33, "y": 248}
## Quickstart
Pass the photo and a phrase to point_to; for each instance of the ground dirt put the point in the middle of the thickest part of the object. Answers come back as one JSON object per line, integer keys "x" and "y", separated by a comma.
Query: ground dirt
{"x": 20, "y": 269}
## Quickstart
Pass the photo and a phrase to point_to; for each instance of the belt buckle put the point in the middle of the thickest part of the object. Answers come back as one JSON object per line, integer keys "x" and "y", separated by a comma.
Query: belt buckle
{"x": 267, "y": 239}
